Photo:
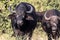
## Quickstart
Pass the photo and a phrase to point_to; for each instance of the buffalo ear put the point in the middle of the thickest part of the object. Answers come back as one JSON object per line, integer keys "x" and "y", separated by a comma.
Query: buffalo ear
{"x": 10, "y": 16}
{"x": 29, "y": 18}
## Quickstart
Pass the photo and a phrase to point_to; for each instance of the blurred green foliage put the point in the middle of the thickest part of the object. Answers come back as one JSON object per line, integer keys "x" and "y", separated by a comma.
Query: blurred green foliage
{"x": 40, "y": 5}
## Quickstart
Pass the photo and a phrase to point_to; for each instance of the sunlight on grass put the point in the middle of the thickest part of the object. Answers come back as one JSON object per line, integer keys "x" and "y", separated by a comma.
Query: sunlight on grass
{"x": 6, "y": 37}
{"x": 38, "y": 34}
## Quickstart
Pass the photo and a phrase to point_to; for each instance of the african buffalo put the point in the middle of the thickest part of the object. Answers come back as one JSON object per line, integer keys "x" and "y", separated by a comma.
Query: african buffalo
{"x": 23, "y": 19}
{"x": 50, "y": 21}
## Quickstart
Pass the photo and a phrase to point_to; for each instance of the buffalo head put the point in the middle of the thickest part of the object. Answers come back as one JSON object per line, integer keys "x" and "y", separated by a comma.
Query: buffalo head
{"x": 21, "y": 10}
{"x": 52, "y": 21}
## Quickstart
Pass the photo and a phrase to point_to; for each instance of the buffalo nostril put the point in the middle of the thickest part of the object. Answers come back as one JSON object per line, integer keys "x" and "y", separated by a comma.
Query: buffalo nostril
{"x": 54, "y": 29}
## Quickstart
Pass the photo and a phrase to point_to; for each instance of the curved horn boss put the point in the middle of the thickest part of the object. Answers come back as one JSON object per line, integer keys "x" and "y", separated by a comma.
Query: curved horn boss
{"x": 30, "y": 9}
{"x": 46, "y": 16}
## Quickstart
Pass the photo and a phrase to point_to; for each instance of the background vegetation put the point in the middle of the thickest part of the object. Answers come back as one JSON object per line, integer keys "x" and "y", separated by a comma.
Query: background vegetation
{"x": 5, "y": 23}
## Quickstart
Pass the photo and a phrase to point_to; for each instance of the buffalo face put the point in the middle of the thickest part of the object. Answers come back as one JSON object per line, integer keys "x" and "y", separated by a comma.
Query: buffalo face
{"x": 19, "y": 18}
{"x": 21, "y": 11}
{"x": 53, "y": 21}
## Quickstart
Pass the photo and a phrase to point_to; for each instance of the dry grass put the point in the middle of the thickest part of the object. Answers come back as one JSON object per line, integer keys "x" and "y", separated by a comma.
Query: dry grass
{"x": 38, "y": 34}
